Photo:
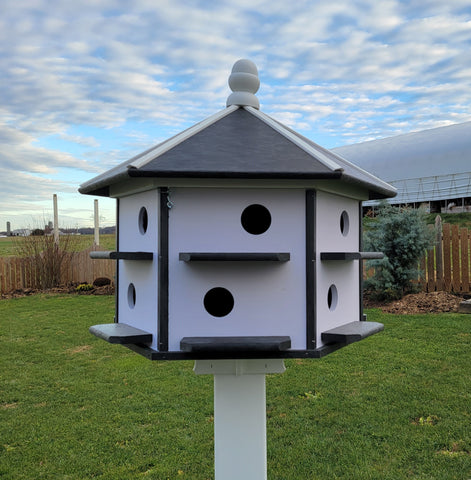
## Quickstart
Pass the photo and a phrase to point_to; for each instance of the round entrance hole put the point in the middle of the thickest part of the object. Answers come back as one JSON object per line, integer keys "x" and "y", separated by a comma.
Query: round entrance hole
{"x": 143, "y": 220}
{"x": 344, "y": 223}
{"x": 131, "y": 295}
{"x": 256, "y": 219}
{"x": 332, "y": 298}
{"x": 218, "y": 302}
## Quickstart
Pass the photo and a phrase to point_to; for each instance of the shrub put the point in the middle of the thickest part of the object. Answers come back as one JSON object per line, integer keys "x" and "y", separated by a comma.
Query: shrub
{"x": 84, "y": 287}
{"x": 101, "y": 282}
{"x": 403, "y": 236}
{"x": 45, "y": 258}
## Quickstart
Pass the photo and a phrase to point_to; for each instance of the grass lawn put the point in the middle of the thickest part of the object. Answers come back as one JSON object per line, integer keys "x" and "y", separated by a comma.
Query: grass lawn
{"x": 6, "y": 247}
{"x": 395, "y": 406}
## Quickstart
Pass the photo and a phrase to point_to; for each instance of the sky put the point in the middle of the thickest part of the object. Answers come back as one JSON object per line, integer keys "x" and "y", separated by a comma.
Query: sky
{"x": 87, "y": 84}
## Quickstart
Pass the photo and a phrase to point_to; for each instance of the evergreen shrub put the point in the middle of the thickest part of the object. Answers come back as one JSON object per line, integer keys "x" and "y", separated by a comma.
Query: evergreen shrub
{"x": 403, "y": 235}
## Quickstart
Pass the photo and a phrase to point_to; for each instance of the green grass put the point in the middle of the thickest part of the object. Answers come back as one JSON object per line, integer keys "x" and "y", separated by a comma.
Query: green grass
{"x": 7, "y": 248}
{"x": 8, "y": 245}
{"x": 395, "y": 406}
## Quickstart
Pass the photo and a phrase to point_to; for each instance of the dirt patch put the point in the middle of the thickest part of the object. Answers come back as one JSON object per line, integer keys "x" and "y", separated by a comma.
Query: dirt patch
{"x": 78, "y": 349}
{"x": 433, "y": 302}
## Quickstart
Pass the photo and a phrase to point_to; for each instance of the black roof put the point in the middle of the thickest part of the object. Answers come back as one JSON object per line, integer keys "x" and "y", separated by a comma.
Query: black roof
{"x": 238, "y": 143}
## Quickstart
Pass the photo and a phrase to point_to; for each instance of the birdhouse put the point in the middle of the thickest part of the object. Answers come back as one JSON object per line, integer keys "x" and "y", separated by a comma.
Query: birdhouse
{"x": 238, "y": 238}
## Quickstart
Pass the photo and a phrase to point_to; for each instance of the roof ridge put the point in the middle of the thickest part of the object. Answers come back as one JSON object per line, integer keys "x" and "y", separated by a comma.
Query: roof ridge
{"x": 299, "y": 141}
{"x": 321, "y": 153}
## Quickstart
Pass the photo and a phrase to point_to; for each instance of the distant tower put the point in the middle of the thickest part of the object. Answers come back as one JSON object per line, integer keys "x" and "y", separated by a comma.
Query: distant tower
{"x": 8, "y": 229}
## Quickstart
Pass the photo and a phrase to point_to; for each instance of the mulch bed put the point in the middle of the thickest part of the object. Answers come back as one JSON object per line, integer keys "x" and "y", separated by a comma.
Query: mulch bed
{"x": 63, "y": 289}
{"x": 433, "y": 302}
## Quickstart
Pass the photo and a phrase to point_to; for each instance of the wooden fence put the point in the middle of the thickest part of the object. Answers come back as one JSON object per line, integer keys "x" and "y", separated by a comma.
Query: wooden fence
{"x": 17, "y": 273}
{"x": 446, "y": 267}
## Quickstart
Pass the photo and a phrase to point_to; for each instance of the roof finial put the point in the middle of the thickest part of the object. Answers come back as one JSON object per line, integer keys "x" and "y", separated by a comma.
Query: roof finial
{"x": 244, "y": 83}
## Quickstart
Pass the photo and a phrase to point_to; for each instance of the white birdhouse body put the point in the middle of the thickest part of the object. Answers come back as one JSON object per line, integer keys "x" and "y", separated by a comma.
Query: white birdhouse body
{"x": 238, "y": 238}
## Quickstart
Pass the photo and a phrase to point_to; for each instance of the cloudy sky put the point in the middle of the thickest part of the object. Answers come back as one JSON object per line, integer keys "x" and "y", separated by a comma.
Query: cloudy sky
{"x": 87, "y": 84}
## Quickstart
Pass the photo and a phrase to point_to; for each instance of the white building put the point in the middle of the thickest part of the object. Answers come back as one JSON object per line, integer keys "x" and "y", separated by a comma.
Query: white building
{"x": 431, "y": 167}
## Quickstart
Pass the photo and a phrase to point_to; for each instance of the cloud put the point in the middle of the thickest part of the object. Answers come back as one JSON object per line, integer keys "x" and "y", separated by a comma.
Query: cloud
{"x": 342, "y": 71}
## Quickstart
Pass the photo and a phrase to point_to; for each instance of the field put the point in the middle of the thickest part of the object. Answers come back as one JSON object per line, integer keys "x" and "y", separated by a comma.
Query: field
{"x": 460, "y": 219}
{"x": 8, "y": 245}
{"x": 395, "y": 406}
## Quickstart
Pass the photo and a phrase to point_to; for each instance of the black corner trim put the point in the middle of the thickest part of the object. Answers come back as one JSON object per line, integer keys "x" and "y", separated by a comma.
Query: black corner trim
{"x": 233, "y": 257}
{"x": 162, "y": 320}
{"x": 310, "y": 269}
{"x": 116, "y": 295}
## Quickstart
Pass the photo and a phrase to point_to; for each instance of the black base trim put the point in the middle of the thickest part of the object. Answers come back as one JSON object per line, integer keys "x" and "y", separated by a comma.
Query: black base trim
{"x": 151, "y": 354}
{"x": 135, "y": 340}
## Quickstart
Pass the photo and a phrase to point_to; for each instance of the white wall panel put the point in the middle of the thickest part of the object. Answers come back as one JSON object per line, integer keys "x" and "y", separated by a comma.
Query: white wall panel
{"x": 142, "y": 274}
{"x": 269, "y": 297}
{"x": 344, "y": 275}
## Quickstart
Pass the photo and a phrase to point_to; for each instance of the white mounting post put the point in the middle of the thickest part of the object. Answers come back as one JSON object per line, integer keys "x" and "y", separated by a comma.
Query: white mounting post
{"x": 56, "y": 219}
{"x": 240, "y": 435}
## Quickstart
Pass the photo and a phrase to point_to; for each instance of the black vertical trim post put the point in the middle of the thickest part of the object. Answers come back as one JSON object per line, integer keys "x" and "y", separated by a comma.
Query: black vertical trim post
{"x": 162, "y": 319}
{"x": 116, "y": 280}
{"x": 310, "y": 269}
{"x": 360, "y": 262}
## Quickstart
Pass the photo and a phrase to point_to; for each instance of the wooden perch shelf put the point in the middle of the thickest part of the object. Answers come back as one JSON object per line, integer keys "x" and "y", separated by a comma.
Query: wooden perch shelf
{"x": 351, "y": 332}
{"x": 121, "y": 333}
{"x": 325, "y": 256}
{"x": 233, "y": 257}
{"x": 234, "y": 344}
{"x": 110, "y": 255}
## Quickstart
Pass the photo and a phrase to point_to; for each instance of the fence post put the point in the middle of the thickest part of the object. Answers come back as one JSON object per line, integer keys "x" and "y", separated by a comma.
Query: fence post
{"x": 455, "y": 255}
{"x": 447, "y": 257}
{"x": 464, "y": 260}
{"x": 439, "y": 252}
{"x": 430, "y": 270}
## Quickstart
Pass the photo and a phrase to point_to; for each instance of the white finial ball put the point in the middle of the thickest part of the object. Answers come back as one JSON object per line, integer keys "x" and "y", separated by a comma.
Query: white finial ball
{"x": 244, "y": 83}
